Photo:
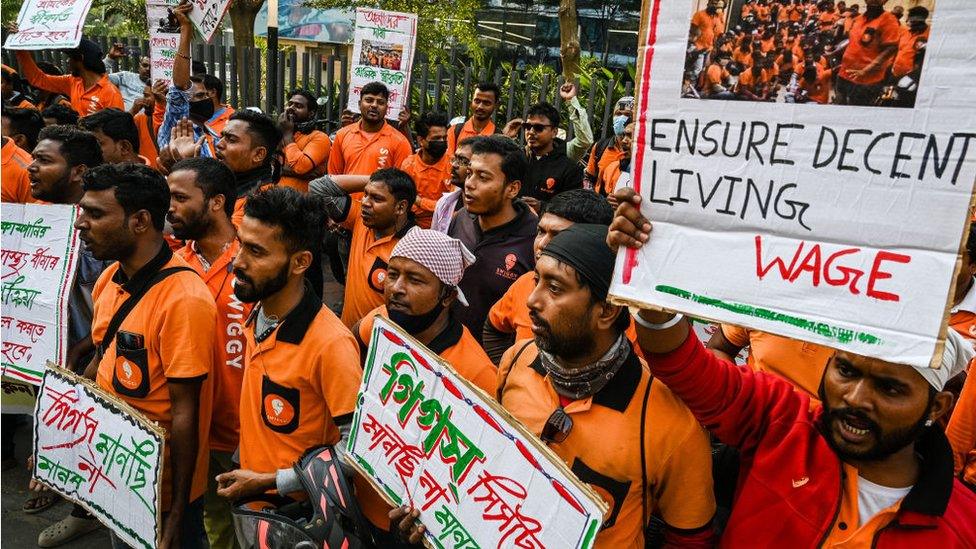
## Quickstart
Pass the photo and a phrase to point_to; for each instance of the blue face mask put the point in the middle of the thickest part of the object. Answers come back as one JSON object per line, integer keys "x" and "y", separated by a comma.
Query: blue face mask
{"x": 619, "y": 122}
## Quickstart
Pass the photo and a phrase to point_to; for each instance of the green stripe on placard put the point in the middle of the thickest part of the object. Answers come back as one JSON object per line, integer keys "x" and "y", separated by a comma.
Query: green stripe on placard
{"x": 23, "y": 370}
{"x": 590, "y": 534}
{"x": 840, "y": 335}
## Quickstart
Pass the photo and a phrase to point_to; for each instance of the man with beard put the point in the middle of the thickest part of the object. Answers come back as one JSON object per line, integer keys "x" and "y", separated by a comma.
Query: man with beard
{"x": 430, "y": 167}
{"x": 156, "y": 355}
{"x": 306, "y": 149}
{"x": 864, "y": 468}
{"x": 452, "y": 201}
{"x": 497, "y": 227}
{"x": 420, "y": 288}
{"x": 583, "y": 391}
{"x": 129, "y": 83}
{"x": 201, "y": 202}
{"x": 483, "y": 103}
{"x": 87, "y": 87}
{"x": 873, "y": 45}
{"x": 301, "y": 364}
{"x": 377, "y": 221}
{"x": 371, "y": 144}
{"x": 117, "y": 135}
{"x": 19, "y": 135}
{"x": 549, "y": 171}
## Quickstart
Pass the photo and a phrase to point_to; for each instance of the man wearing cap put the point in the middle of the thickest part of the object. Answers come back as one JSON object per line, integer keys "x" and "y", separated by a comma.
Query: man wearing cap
{"x": 87, "y": 87}
{"x": 421, "y": 286}
{"x": 864, "y": 468}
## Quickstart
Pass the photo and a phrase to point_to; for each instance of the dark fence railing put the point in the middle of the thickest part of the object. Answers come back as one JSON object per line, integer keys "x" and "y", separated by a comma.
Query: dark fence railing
{"x": 443, "y": 88}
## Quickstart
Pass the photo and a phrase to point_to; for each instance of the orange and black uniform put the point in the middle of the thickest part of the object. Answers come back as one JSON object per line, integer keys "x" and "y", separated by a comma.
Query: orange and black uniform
{"x": 910, "y": 46}
{"x": 175, "y": 320}
{"x": 432, "y": 181}
{"x": 799, "y": 362}
{"x": 101, "y": 95}
{"x": 300, "y": 385}
{"x": 455, "y": 136}
{"x": 599, "y": 162}
{"x": 455, "y": 345}
{"x": 148, "y": 146}
{"x": 603, "y": 447}
{"x": 15, "y": 181}
{"x": 307, "y": 157}
{"x": 356, "y": 152}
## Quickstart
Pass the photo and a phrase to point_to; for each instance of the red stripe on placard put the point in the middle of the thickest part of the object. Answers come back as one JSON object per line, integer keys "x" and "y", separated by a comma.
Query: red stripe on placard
{"x": 630, "y": 255}
{"x": 392, "y": 337}
{"x": 527, "y": 454}
{"x": 567, "y": 496}
{"x": 483, "y": 414}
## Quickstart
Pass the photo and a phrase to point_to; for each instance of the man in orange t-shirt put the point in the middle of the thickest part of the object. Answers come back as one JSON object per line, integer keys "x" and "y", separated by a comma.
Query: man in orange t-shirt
{"x": 87, "y": 87}
{"x": 371, "y": 144}
{"x": 159, "y": 360}
{"x": 306, "y": 149}
{"x": 201, "y": 203}
{"x": 873, "y": 45}
{"x": 715, "y": 83}
{"x": 816, "y": 82}
{"x": 911, "y": 45}
{"x": 483, "y": 104}
{"x": 706, "y": 25}
{"x": 301, "y": 365}
{"x": 430, "y": 167}
{"x": 20, "y": 128}
{"x": 117, "y": 135}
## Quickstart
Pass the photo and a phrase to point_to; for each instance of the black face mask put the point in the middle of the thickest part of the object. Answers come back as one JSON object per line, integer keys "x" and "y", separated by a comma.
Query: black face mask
{"x": 414, "y": 324}
{"x": 202, "y": 109}
{"x": 437, "y": 149}
{"x": 872, "y": 12}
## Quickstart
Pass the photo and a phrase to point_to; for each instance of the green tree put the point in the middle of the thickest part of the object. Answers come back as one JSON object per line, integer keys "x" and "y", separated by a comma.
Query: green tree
{"x": 441, "y": 25}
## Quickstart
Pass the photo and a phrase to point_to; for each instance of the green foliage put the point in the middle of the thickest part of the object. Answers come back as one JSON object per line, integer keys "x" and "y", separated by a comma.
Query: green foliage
{"x": 123, "y": 18}
{"x": 442, "y": 24}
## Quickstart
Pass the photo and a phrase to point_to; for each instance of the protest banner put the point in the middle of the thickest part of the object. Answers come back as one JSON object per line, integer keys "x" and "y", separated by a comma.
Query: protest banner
{"x": 49, "y": 24}
{"x": 17, "y": 397}
{"x": 426, "y": 437}
{"x": 97, "y": 451}
{"x": 38, "y": 258}
{"x": 383, "y": 51}
{"x": 164, "y": 39}
{"x": 831, "y": 223}
{"x": 296, "y": 21}
{"x": 206, "y": 16}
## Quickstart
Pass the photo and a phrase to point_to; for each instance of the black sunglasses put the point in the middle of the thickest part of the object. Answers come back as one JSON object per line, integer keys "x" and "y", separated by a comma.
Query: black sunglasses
{"x": 537, "y": 128}
{"x": 557, "y": 427}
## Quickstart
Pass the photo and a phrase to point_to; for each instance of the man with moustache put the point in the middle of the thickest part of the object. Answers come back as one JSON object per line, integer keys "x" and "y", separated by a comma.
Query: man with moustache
{"x": 866, "y": 467}
{"x": 483, "y": 104}
{"x": 372, "y": 143}
{"x": 301, "y": 365}
{"x": 306, "y": 149}
{"x": 156, "y": 355}
{"x": 452, "y": 201}
{"x": 87, "y": 87}
{"x": 201, "y": 192}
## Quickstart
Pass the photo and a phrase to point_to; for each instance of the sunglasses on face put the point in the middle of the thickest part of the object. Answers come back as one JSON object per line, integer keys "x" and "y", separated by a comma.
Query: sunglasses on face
{"x": 557, "y": 427}
{"x": 537, "y": 128}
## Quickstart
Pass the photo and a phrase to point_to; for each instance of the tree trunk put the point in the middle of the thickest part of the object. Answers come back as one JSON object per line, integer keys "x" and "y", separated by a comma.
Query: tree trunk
{"x": 569, "y": 46}
{"x": 242, "y": 16}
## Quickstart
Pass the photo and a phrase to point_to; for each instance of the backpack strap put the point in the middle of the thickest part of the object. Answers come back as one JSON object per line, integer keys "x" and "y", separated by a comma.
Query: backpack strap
{"x": 457, "y": 133}
{"x": 643, "y": 422}
{"x": 501, "y": 386}
{"x": 130, "y": 303}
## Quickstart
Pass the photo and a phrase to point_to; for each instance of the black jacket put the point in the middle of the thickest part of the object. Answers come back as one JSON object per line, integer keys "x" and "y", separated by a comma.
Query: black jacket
{"x": 552, "y": 174}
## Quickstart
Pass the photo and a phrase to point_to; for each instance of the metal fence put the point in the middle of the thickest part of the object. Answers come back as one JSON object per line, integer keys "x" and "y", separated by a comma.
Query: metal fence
{"x": 443, "y": 88}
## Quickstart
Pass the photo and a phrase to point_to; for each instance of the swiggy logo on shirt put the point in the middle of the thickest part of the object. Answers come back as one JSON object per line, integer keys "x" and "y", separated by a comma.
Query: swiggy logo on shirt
{"x": 128, "y": 374}
{"x": 382, "y": 157}
{"x": 280, "y": 406}
{"x": 377, "y": 275}
{"x": 278, "y": 411}
{"x": 510, "y": 261}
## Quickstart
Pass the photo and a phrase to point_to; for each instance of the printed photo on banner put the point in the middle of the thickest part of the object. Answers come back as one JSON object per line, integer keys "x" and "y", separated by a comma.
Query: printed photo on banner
{"x": 97, "y": 451}
{"x": 427, "y": 438}
{"x": 785, "y": 51}
{"x": 299, "y": 22}
{"x": 164, "y": 38}
{"x": 827, "y": 221}
{"x": 381, "y": 55}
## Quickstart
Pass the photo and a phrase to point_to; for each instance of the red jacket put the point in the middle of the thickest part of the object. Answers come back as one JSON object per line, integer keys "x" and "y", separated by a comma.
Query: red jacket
{"x": 790, "y": 480}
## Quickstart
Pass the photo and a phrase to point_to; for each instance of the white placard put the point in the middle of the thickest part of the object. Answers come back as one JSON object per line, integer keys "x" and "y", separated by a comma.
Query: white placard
{"x": 383, "y": 52}
{"x": 206, "y": 16}
{"x": 49, "y": 24}
{"x": 163, "y": 42}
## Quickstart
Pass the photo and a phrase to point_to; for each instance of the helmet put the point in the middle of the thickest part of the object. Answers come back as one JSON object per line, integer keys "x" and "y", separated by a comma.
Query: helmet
{"x": 328, "y": 518}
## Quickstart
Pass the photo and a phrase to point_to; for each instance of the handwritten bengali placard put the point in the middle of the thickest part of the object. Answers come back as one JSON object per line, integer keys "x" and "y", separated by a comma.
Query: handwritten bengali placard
{"x": 835, "y": 224}
{"x": 38, "y": 256}
{"x": 97, "y": 451}
{"x": 425, "y": 436}
{"x": 206, "y": 16}
{"x": 383, "y": 51}
{"x": 163, "y": 43}
{"x": 44, "y": 24}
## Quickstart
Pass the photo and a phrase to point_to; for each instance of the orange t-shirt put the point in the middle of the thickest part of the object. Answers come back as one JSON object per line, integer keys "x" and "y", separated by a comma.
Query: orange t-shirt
{"x": 176, "y": 319}
{"x": 300, "y": 384}
{"x": 799, "y": 362}
{"x": 749, "y": 81}
{"x": 219, "y": 120}
{"x": 819, "y": 90}
{"x": 467, "y": 130}
{"x": 715, "y": 75}
{"x": 147, "y": 143}
{"x": 867, "y": 39}
{"x": 846, "y": 532}
{"x": 101, "y": 95}
{"x": 368, "y": 260}
{"x": 15, "y": 183}
{"x": 908, "y": 46}
{"x": 307, "y": 157}
{"x": 458, "y": 347}
{"x": 355, "y": 152}
{"x": 432, "y": 182}
{"x": 709, "y": 26}
{"x": 828, "y": 19}
{"x": 596, "y": 166}
{"x": 228, "y": 365}
{"x": 961, "y": 431}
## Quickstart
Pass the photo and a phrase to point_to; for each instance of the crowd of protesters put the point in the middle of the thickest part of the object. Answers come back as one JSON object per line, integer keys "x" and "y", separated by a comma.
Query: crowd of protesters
{"x": 808, "y": 51}
{"x": 222, "y": 225}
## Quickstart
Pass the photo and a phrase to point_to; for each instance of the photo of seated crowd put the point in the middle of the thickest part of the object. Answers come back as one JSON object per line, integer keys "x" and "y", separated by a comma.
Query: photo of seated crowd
{"x": 494, "y": 247}
{"x": 826, "y": 52}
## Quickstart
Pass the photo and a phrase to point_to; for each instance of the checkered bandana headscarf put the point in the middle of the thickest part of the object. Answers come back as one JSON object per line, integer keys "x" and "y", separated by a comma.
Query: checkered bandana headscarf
{"x": 444, "y": 256}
